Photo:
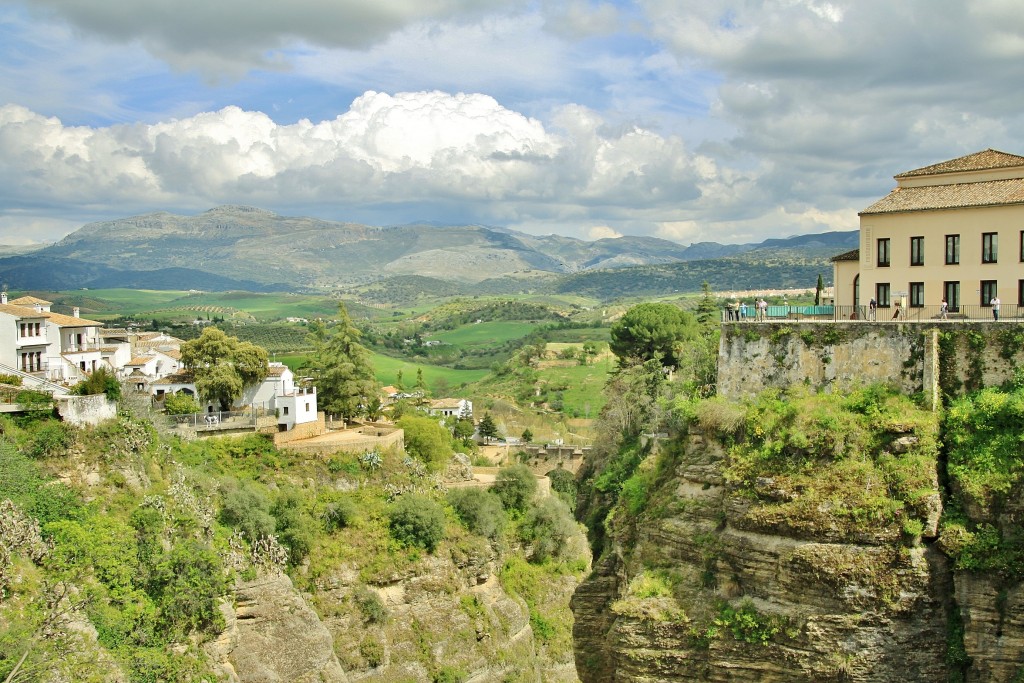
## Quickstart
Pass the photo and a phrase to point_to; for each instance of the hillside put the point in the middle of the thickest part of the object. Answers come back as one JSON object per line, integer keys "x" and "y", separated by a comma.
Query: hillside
{"x": 236, "y": 247}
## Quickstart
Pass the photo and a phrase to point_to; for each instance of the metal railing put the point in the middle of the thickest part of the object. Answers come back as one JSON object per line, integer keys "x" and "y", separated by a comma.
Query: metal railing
{"x": 931, "y": 313}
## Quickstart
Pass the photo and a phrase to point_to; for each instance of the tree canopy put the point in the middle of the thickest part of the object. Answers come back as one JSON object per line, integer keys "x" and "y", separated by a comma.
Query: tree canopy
{"x": 652, "y": 330}
{"x": 340, "y": 367}
{"x": 222, "y": 365}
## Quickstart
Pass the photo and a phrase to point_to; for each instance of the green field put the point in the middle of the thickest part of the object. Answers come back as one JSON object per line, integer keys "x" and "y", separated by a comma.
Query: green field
{"x": 439, "y": 380}
{"x": 486, "y": 334}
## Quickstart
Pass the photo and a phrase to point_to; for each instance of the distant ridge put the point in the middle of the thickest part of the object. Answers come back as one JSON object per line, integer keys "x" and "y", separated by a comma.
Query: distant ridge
{"x": 240, "y": 247}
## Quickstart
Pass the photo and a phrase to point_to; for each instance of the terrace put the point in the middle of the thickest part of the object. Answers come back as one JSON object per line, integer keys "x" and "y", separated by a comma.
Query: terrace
{"x": 830, "y": 313}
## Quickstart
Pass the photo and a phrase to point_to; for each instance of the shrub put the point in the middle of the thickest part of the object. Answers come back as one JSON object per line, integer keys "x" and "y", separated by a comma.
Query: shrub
{"x": 516, "y": 487}
{"x": 247, "y": 509}
{"x": 372, "y": 650}
{"x": 186, "y": 586}
{"x": 181, "y": 403}
{"x": 563, "y": 483}
{"x": 481, "y": 511}
{"x": 549, "y": 528}
{"x": 416, "y": 520}
{"x": 101, "y": 381}
{"x": 427, "y": 440}
{"x": 295, "y": 528}
{"x": 51, "y": 438}
{"x": 370, "y": 606}
{"x": 340, "y": 514}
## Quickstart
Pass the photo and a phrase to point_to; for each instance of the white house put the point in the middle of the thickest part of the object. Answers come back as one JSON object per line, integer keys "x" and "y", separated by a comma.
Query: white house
{"x": 458, "y": 407}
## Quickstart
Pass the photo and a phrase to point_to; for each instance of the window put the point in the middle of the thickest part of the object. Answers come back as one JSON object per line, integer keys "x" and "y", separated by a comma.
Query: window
{"x": 882, "y": 294}
{"x": 989, "y": 290}
{"x": 989, "y": 247}
{"x": 286, "y": 410}
{"x": 1020, "y": 292}
{"x": 883, "y": 253}
{"x": 917, "y": 251}
{"x": 952, "y": 250}
{"x": 917, "y": 295}
{"x": 1022, "y": 246}
{"x": 951, "y": 290}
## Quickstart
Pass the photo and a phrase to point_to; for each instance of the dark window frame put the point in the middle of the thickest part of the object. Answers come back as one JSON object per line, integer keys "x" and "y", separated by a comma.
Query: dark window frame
{"x": 989, "y": 289}
{"x": 917, "y": 251}
{"x": 883, "y": 252}
{"x": 953, "y": 250}
{"x": 990, "y": 247}
{"x": 916, "y": 295}
{"x": 952, "y": 299}
{"x": 886, "y": 301}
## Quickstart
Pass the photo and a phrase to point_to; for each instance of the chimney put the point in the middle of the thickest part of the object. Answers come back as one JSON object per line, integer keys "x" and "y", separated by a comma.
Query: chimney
{"x": 76, "y": 312}
{"x": 3, "y": 298}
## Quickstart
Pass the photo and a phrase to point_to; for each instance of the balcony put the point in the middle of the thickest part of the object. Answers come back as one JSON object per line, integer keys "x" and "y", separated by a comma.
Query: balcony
{"x": 892, "y": 313}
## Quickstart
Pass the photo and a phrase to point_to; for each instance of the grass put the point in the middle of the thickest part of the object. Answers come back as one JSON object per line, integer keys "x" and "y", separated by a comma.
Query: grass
{"x": 485, "y": 334}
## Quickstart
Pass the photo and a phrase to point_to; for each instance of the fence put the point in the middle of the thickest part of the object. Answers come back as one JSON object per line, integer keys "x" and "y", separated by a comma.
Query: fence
{"x": 881, "y": 313}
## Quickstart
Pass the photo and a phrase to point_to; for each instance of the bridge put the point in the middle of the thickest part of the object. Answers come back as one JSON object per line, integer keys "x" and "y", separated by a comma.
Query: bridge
{"x": 540, "y": 458}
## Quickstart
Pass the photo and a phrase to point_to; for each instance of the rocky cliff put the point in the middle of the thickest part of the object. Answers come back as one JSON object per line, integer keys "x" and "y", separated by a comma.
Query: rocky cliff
{"x": 794, "y": 540}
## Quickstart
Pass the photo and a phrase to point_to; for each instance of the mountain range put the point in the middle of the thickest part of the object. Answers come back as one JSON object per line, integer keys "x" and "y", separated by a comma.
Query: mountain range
{"x": 238, "y": 247}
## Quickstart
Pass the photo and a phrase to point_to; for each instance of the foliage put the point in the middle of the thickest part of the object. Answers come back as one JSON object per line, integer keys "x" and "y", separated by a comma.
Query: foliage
{"x": 481, "y": 511}
{"x": 340, "y": 514}
{"x": 652, "y": 331}
{"x": 487, "y": 428}
{"x": 222, "y": 365}
{"x": 370, "y": 605}
{"x": 563, "y": 483}
{"x": 416, "y": 520}
{"x": 181, "y": 403}
{"x": 340, "y": 366}
{"x": 100, "y": 381}
{"x": 186, "y": 586}
{"x": 50, "y": 438}
{"x": 515, "y": 486}
{"x": 33, "y": 491}
{"x": 748, "y": 625}
{"x": 246, "y": 508}
{"x": 426, "y": 440}
{"x": 527, "y": 436}
{"x": 295, "y": 527}
{"x": 549, "y": 528}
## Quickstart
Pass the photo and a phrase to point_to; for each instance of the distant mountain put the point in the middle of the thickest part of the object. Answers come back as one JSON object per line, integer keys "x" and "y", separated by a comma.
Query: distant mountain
{"x": 237, "y": 247}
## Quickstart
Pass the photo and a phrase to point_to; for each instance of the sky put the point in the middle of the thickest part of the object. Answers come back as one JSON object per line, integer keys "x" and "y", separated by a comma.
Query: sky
{"x": 690, "y": 120}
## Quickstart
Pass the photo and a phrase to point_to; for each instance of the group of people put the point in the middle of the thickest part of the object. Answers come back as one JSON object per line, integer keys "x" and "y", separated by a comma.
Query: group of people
{"x": 737, "y": 310}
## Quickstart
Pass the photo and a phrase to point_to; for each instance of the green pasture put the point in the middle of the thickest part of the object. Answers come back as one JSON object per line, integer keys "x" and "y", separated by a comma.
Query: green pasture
{"x": 485, "y": 334}
{"x": 583, "y": 394}
{"x": 386, "y": 369}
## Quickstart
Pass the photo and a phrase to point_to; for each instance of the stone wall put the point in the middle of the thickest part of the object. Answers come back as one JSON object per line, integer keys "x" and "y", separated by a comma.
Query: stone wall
{"x": 930, "y": 357}
{"x": 305, "y": 430}
{"x": 84, "y": 411}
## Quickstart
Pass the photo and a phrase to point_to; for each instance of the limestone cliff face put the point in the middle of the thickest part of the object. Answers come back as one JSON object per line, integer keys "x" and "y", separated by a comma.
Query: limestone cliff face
{"x": 272, "y": 635}
{"x": 756, "y": 598}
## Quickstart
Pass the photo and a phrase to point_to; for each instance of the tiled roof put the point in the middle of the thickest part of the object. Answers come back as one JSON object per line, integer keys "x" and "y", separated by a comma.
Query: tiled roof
{"x": 29, "y": 301}
{"x": 183, "y": 377}
{"x": 979, "y": 161}
{"x": 956, "y": 196}
{"x": 442, "y": 403}
{"x": 276, "y": 370}
{"x": 22, "y": 312}
{"x": 139, "y": 360}
{"x": 852, "y": 255}
{"x": 114, "y": 332}
{"x": 70, "y": 321}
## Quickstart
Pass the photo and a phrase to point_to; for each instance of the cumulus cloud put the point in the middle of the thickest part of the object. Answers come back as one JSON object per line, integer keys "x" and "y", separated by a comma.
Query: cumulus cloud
{"x": 230, "y": 36}
{"x": 431, "y": 149}
{"x": 600, "y": 232}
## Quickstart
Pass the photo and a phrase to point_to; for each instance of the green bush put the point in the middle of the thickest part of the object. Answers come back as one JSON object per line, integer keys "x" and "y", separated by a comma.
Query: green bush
{"x": 372, "y": 650}
{"x": 247, "y": 509}
{"x": 563, "y": 483}
{"x": 340, "y": 514}
{"x": 181, "y": 403}
{"x": 515, "y": 486}
{"x": 549, "y": 528}
{"x": 295, "y": 528}
{"x": 51, "y": 438}
{"x": 481, "y": 511}
{"x": 416, "y": 520}
{"x": 186, "y": 586}
{"x": 370, "y": 606}
{"x": 101, "y": 381}
{"x": 427, "y": 440}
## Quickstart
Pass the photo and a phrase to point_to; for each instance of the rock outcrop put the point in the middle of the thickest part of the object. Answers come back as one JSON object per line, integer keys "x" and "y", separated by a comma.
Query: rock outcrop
{"x": 712, "y": 588}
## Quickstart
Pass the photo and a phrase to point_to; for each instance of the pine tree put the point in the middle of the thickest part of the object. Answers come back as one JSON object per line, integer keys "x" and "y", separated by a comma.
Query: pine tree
{"x": 487, "y": 428}
{"x": 340, "y": 367}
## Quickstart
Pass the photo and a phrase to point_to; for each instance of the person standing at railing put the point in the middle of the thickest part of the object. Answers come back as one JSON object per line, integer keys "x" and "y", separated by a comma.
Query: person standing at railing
{"x": 943, "y": 308}
{"x": 995, "y": 307}
{"x": 743, "y": 310}
{"x": 872, "y": 307}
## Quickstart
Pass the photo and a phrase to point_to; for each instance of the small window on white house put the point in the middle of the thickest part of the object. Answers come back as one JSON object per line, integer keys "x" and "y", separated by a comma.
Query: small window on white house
{"x": 286, "y": 410}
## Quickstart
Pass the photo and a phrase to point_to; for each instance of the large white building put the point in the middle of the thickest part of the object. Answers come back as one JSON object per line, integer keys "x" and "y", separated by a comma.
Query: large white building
{"x": 953, "y": 230}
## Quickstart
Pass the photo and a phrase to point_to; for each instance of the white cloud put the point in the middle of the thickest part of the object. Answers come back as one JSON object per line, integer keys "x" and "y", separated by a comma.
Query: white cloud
{"x": 600, "y": 232}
